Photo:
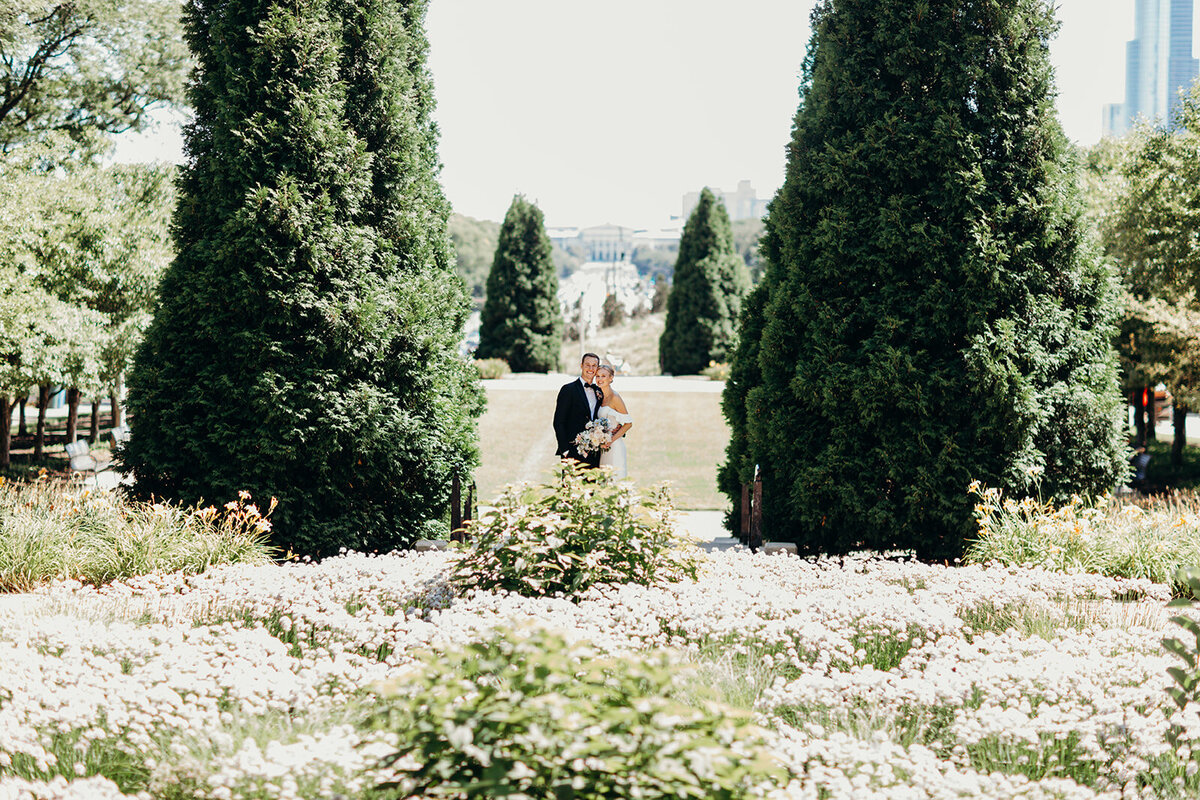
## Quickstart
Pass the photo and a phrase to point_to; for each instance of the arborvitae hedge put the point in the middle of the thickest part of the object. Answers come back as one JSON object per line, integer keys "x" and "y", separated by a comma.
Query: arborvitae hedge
{"x": 305, "y": 343}
{"x": 521, "y": 321}
{"x": 706, "y": 292}
{"x": 933, "y": 317}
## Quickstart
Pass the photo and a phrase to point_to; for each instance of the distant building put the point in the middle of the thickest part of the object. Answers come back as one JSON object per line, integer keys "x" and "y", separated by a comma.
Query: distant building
{"x": 663, "y": 238}
{"x": 1158, "y": 65}
{"x": 563, "y": 237}
{"x": 741, "y": 204}
{"x": 607, "y": 243}
{"x": 597, "y": 243}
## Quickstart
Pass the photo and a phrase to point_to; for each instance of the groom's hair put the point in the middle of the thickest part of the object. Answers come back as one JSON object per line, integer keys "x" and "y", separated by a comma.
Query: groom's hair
{"x": 586, "y": 356}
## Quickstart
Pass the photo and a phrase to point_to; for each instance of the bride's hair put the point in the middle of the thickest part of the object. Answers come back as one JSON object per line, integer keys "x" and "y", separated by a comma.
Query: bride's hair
{"x": 609, "y": 368}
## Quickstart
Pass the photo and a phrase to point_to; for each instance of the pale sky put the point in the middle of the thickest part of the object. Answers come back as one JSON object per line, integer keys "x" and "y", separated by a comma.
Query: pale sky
{"x": 610, "y": 112}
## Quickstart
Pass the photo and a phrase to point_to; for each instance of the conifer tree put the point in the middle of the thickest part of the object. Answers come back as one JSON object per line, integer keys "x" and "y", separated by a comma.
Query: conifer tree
{"x": 521, "y": 321}
{"x": 706, "y": 292}
{"x": 304, "y": 343}
{"x": 932, "y": 317}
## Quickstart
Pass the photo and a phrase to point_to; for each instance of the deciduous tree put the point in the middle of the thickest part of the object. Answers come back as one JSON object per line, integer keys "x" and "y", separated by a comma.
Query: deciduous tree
{"x": 86, "y": 67}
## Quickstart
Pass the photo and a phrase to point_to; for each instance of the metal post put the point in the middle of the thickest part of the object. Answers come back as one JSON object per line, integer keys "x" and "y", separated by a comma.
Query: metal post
{"x": 469, "y": 510}
{"x": 744, "y": 533}
{"x": 756, "y": 513}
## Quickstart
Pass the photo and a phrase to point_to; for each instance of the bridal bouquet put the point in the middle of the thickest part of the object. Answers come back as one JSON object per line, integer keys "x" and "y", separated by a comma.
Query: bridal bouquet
{"x": 596, "y": 436}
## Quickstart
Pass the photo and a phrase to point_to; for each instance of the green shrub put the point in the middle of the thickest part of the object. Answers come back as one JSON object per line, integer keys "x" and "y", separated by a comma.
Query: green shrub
{"x": 541, "y": 718}
{"x": 716, "y": 372}
{"x": 491, "y": 368}
{"x": 586, "y": 529}
{"x": 1187, "y": 678}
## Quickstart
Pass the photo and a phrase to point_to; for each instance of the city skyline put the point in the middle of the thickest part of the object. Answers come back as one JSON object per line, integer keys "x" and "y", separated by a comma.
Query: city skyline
{"x": 1158, "y": 65}
{"x": 613, "y": 117}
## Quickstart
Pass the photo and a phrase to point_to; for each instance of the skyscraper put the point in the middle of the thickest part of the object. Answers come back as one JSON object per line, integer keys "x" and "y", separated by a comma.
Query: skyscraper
{"x": 1158, "y": 65}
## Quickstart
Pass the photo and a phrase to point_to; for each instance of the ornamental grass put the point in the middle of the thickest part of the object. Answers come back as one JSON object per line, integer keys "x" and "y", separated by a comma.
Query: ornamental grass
{"x": 53, "y": 531}
{"x": 1152, "y": 538}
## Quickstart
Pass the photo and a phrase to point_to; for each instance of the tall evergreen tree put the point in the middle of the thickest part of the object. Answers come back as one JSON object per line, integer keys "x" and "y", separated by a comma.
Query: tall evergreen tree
{"x": 304, "y": 343}
{"x": 521, "y": 321}
{"x": 933, "y": 317}
{"x": 706, "y": 294}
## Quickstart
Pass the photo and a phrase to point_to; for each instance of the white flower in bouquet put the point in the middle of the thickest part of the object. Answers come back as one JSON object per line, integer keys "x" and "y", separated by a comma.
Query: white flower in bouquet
{"x": 594, "y": 437}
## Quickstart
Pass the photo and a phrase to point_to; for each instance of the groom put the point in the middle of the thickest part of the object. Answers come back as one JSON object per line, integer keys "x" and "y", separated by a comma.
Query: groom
{"x": 576, "y": 407}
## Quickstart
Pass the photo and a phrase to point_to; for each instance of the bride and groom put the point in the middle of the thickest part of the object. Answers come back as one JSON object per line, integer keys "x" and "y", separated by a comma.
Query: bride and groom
{"x": 591, "y": 397}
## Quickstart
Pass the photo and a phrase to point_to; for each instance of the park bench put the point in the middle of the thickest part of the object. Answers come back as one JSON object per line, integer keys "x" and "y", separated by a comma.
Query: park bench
{"x": 120, "y": 435}
{"x": 82, "y": 460}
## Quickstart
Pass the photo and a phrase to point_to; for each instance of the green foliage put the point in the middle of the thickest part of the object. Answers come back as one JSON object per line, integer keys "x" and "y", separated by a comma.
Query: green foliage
{"x": 100, "y": 243}
{"x": 747, "y": 236}
{"x": 81, "y": 250}
{"x": 491, "y": 368}
{"x": 52, "y": 533}
{"x": 1183, "y": 478}
{"x": 530, "y": 715}
{"x": 742, "y": 398}
{"x": 521, "y": 321}
{"x": 662, "y": 291}
{"x": 86, "y": 67}
{"x": 653, "y": 261}
{"x": 709, "y": 283}
{"x": 1149, "y": 219}
{"x": 474, "y": 242}
{"x": 612, "y": 312}
{"x": 563, "y": 538}
{"x": 1186, "y": 690}
{"x": 1153, "y": 227}
{"x": 305, "y": 342}
{"x": 716, "y": 372}
{"x": 933, "y": 315}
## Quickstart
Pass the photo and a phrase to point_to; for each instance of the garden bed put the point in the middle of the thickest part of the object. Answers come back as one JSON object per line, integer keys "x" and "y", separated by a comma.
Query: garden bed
{"x": 870, "y": 676}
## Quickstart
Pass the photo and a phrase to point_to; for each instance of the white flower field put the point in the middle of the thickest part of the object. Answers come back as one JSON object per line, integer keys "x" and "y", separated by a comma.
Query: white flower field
{"x": 872, "y": 677}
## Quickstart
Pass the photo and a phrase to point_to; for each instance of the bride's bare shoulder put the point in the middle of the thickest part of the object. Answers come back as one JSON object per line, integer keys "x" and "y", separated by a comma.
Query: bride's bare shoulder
{"x": 619, "y": 404}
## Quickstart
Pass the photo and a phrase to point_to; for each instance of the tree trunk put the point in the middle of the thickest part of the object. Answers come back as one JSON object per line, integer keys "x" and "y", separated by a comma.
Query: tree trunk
{"x": 115, "y": 399}
{"x": 1151, "y": 415}
{"x": 72, "y": 414}
{"x": 21, "y": 429}
{"x": 94, "y": 428}
{"x": 39, "y": 437}
{"x": 6, "y": 408}
{"x": 1179, "y": 418}
{"x": 1139, "y": 417}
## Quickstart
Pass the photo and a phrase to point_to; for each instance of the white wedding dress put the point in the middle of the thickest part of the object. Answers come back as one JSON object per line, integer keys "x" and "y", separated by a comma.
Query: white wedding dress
{"x": 615, "y": 456}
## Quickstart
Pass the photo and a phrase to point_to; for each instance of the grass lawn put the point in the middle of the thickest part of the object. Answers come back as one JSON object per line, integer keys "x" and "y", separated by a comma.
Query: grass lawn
{"x": 632, "y": 345}
{"x": 678, "y": 437}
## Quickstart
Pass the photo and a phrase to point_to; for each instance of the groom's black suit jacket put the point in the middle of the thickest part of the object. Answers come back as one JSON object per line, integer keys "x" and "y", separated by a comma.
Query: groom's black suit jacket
{"x": 571, "y": 415}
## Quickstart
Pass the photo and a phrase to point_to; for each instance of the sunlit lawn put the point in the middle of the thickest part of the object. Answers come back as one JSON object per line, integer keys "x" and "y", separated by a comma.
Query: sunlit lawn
{"x": 678, "y": 437}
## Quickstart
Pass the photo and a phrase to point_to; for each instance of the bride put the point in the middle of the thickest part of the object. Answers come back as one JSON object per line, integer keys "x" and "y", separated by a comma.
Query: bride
{"x": 612, "y": 408}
